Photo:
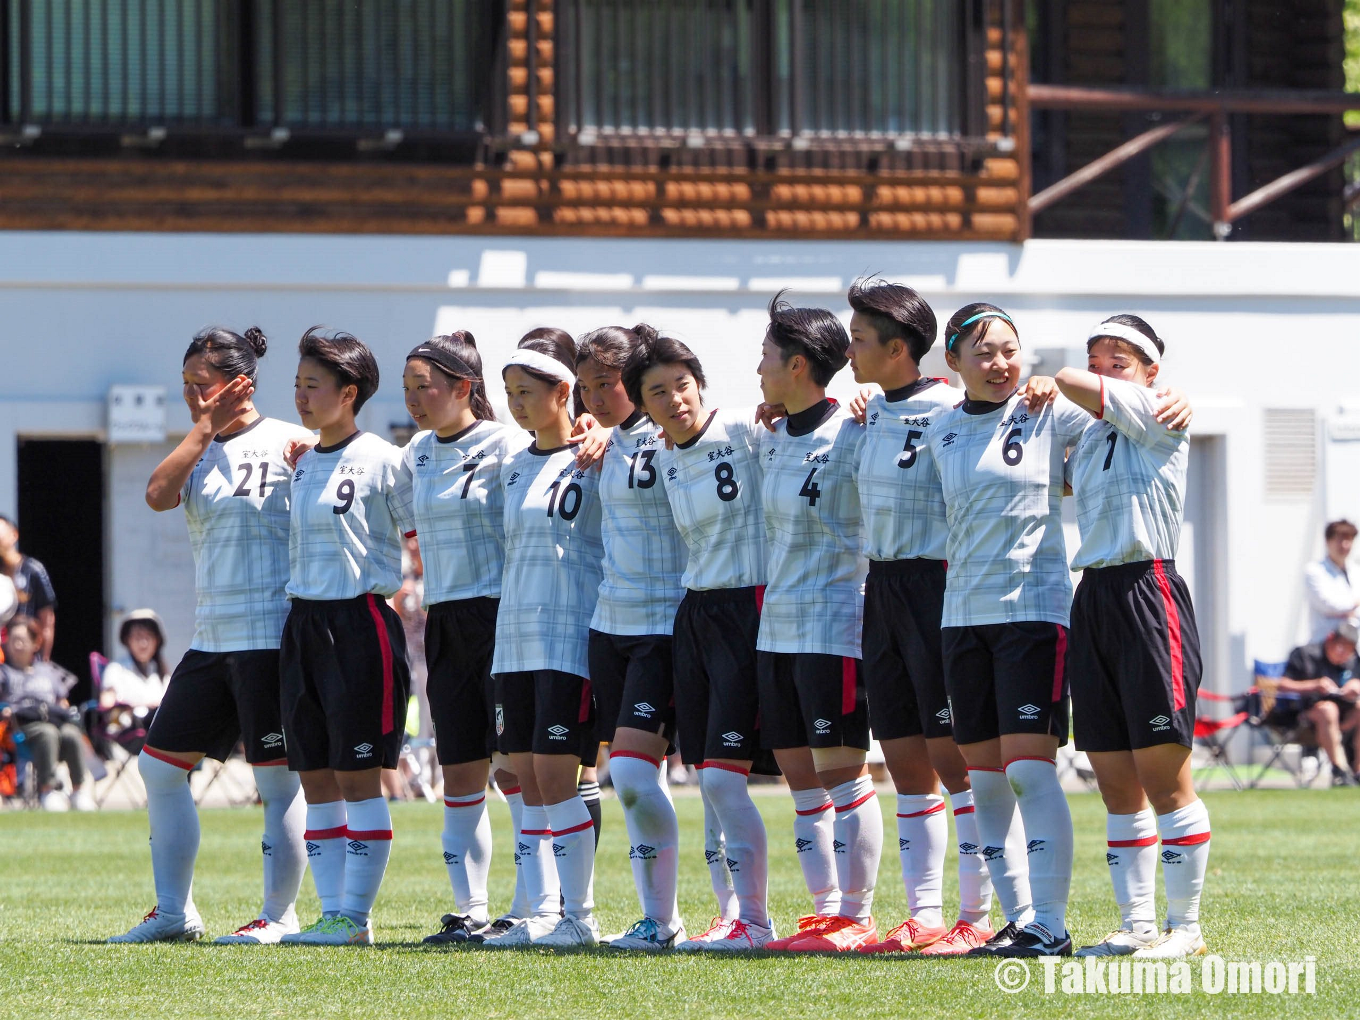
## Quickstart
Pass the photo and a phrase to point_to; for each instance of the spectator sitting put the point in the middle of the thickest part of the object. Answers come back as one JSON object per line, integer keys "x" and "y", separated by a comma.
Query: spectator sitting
{"x": 1323, "y": 675}
{"x": 37, "y": 599}
{"x": 1327, "y": 583}
{"x": 34, "y": 695}
{"x": 137, "y": 678}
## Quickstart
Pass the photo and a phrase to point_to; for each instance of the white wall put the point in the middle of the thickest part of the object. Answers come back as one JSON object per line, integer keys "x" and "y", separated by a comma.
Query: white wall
{"x": 1249, "y": 327}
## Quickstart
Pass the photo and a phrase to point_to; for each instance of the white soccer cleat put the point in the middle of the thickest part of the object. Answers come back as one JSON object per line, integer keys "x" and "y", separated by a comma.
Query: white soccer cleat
{"x": 648, "y": 935}
{"x": 336, "y": 930}
{"x": 54, "y": 800}
{"x": 718, "y": 929}
{"x": 82, "y": 801}
{"x": 742, "y": 936}
{"x": 571, "y": 933}
{"x": 1174, "y": 944}
{"x": 524, "y": 932}
{"x": 261, "y": 932}
{"x": 160, "y": 927}
{"x": 1118, "y": 943}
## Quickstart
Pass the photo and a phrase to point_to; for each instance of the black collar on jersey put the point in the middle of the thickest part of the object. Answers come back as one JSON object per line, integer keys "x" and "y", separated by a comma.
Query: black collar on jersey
{"x": 810, "y": 418}
{"x": 971, "y": 406}
{"x": 910, "y": 390}
{"x": 450, "y": 363}
{"x": 457, "y": 435}
{"x": 700, "y": 434}
{"x": 220, "y": 438}
{"x": 533, "y": 448}
{"x": 340, "y": 445}
{"x": 633, "y": 419}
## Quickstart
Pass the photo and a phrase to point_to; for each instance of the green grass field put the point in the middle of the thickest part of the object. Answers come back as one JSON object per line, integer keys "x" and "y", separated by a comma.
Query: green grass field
{"x": 1283, "y": 885}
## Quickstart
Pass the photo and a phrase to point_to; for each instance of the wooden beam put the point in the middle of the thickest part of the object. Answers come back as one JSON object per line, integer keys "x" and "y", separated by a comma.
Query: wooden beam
{"x": 1268, "y": 193}
{"x": 1280, "y": 101}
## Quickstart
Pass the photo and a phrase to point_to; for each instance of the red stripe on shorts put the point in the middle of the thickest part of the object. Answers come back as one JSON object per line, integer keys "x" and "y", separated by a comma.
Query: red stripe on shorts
{"x": 1173, "y": 627}
{"x": 760, "y": 598}
{"x": 849, "y": 680}
{"x": 385, "y": 649}
{"x": 1059, "y": 663}
{"x": 586, "y": 703}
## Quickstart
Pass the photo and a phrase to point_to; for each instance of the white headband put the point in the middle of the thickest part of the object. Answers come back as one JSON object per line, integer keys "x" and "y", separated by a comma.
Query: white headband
{"x": 542, "y": 363}
{"x": 1128, "y": 334}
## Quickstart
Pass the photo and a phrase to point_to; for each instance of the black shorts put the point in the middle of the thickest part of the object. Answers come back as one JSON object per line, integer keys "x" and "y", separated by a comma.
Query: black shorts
{"x": 343, "y": 673}
{"x": 217, "y": 698}
{"x": 633, "y": 677}
{"x": 1006, "y": 678}
{"x": 717, "y": 700}
{"x": 460, "y": 639}
{"x": 1133, "y": 657}
{"x": 811, "y": 700}
{"x": 546, "y": 711}
{"x": 903, "y": 657}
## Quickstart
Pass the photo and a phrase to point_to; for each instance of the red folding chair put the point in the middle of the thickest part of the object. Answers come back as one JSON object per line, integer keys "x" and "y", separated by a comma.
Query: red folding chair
{"x": 1213, "y": 735}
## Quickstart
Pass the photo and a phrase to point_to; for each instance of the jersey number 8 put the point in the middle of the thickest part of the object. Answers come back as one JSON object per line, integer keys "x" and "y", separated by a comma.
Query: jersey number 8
{"x": 727, "y": 482}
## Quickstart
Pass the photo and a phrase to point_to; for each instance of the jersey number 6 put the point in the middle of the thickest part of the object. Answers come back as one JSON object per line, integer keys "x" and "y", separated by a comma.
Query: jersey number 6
{"x": 1012, "y": 451}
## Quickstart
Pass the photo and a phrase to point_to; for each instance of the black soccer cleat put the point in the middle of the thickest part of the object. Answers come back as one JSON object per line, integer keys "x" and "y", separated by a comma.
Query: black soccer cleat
{"x": 1036, "y": 940}
{"x": 1003, "y": 938}
{"x": 456, "y": 928}
{"x": 499, "y": 926}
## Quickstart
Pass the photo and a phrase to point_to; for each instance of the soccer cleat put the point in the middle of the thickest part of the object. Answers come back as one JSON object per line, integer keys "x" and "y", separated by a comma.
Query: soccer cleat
{"x": 809, "y": 925}
{"x": 54, "y": 800}
{"x": 260, "y": 932}
{"x": 1036, "y": 940}
{"x": 963, "y": 938}
{"x": 82, "y": 801}
{"x": 571, "y": 933}
{"x": 907, "y": 937}
{"x": 523, "y": 932}
{"x": 842, "y": 935}
{"x": 717, "y": 929}
{"x": 1174, "y": 944}
{"x": 159, "y": 927}
{"x": 456, "y": 928}
{"x": 742, "y": 936}
{"x": 1340, "y": 777}
{"x": 499, "y": 926}
{"x": 648, "y": 935}
{"x": 1000, "y": 940}
{"x": 336, "y": 930}
{"x": 1118, "y": 943}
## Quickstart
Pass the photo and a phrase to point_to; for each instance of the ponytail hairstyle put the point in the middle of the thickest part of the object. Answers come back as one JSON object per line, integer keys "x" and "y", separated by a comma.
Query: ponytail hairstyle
{"x": 653, "y": 350}
{"x": 895, "y": 312}
{"x": 555, "y": 343}
{"x": 346, "y": 357}
{"x": 229, "y": 353}
{"x": 1132, "y": 322}
{"x": 611, "y": 346}
{"x": 971, "y": 323}
{"x": 815, "y": 333}
{"x": 462, "y": 361}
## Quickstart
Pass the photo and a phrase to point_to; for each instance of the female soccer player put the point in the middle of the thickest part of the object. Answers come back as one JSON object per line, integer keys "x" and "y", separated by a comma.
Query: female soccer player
{"x": 230, "y": 476}
{"x": 544, "y": 717}
{"x": 712, "y": 480}
{"x": 1133, "y": 654}
{"x": 458, "y": 506}
{"x": 343, "y": 657}
{"x": 905, "y": 530}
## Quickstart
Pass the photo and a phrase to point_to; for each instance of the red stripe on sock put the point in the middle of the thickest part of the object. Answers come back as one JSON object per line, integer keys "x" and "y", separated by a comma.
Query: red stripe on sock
{"x": 918, "y": 814}
{"x": 1059, "y": 663}
{"x": 963, "y": 811}
{"x": 509, "y": 792}
{"x": 369, "y": 834}
{"x": 856, "y": 803}
{"x": 336, "y": 833}
{"x": 535, "y": 832}
{"x": 721, "y": 765}
{"x": 1173, "y": 629}
{"x": 385, "y": 650}
{"x": 813, "y": 810}
{"x": 464, "y": 803}
{"x": 162, "y": 756}
{"x": 982, "y": 768}
{"x": 849, "y": 682}
{"x": 1029, "y": 757}
{"x": 1190, "y": 840}
{"x": 634, "y": 754}
{"x": 1133, "y": 842}
{"x": 587, "y": 824}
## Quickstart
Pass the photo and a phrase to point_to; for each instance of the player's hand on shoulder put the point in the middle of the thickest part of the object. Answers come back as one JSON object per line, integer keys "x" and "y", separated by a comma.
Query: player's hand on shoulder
{"x": 858, "y": 406}
{"x": 592, "y": 439}
{"x": 769, "y": 414}
{"x": 1039, "y": 391}
{"x": 1175, "y": 412}
{"x": 293, "y": 451}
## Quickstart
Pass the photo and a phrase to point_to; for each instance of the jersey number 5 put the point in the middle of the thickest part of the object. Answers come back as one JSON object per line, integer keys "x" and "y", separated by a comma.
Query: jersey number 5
{"x": 908, "y": 455}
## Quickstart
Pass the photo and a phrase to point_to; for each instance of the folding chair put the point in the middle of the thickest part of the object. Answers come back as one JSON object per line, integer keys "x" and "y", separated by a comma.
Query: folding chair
{"x": 17, "y": 780}
{"x": 117, "y": 733}
{"x": 224, "y": 776}
{"x": 1272, "y": 713}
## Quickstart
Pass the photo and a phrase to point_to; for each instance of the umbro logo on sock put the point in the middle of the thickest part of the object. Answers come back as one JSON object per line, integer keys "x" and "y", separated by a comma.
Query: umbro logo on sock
{"x": 266, "y": 849}
{"x": 801, "y": 844}
{"x": 711, "y": 855}
{"x": 838, "y": 846}
{"x": 1112, "y": 859}
{"x": 450, "y": 858}
{"x": 1172, "y": 857}
{"x": 731, "y": 739}
{"x": 1028, "y": 711}
{"x": 559, "y": 850}
{"x": 643, "y": 710}
{"x": 732, "y": 866}
{"x": 1159, "y": 723}
{"x": 642, "y": 852}
{"x": 968, "y": 848}
{"x": 356, "y": 848}
{"x": 823, "y": 725}
{"x": 272, "y": 739}
{"x": 558, "y": 732}
{"x": 1035, "y": 845}
{"x": 524, "y": 848}
{"x": 903, "y": 845}
{"x": 993, "y": 853}
{"x": 364, "y": 750}
{"x": 517, "y": 860}
{"x": 312, "y": 848}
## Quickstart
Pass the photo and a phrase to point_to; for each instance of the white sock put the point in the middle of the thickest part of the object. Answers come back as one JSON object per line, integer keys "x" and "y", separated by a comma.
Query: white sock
{"x": 653, "y": 832}
{"x": 1132, "y": 857}
{"x": 369, "y": 833}
{"x": 1002, "y": 834}
{"x": 744, "y": 831}
{"x": 1048, "y": 828}
{"x": 542, "y": 893}
{"x": 813, "y": 840}
{"x": 922, "y": 832}
{"x": 573, "y": 849}
{"x": 283, "y": 846}
{"x": 325, "y": 836}
{"x": 519, "y": 906}
{"x": 1185, "y": 858}
{"x": 466, "y": 840}
{"x": 975, "y": 885}
{"x": 858, "y": 845}
{"x": 715, "y": 855}
{"x": 173, "y": 819}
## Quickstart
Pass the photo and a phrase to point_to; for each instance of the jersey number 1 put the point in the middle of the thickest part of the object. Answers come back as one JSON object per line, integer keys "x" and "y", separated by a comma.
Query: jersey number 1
{"x": 1112, "y": 438}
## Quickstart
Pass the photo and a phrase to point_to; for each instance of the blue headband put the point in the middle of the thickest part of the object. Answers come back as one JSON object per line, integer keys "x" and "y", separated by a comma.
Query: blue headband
{"x": 949, "y": 344}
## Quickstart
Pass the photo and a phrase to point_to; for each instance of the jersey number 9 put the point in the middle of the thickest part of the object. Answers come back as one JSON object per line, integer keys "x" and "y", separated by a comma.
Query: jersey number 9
{"x": 345, "y": 493}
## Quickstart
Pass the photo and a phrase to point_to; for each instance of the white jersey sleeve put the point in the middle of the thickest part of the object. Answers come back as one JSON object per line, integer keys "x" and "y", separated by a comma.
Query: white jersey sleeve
{"x": 713, "y": 484}
{"x": 1128, "y": 474}
{"x": 236, "y": 504}
{"x": 552, "y": 562}
{"x": 1001, "y": 473}
{"x": 899, "y": 484}
{"x": 644, "y": 555}
{"x": 351, "y": 507}
{"x": 459, "y": 510}
{"x": 814, "y": 596}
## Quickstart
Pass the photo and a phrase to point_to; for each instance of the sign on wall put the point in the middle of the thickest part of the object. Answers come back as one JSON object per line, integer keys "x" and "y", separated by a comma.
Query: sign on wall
{"x": 136, "y": 414}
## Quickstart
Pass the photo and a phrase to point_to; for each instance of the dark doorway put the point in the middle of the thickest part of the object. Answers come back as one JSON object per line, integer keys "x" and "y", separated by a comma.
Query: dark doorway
{"x": 61, "y": 523}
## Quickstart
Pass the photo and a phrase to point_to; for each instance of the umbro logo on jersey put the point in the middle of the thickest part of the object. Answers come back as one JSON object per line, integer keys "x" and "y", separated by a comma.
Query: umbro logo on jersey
{"x": 873, "y": 418}
{"x": 1112, "y": 859}
{"x": 558, "y": 732}
{"x": 944, "y": 715}
{"x": 1172, "y": 857}
{"x": 643, "y": 709}
{"x": 423, "y": 459}
{"x": 837, "y": 846}
{"x": 800, "y": 844}
{"x": 363, "y": 750}
{"x": 357, "y": 848}
{"x": 770, "y": 454}
{"x": 450, "y": 858}
{"x": 968, "y": 848}
{"x": 670, "y": 474}
{"x": 903, "y": 845}
{"x": 1035, "y": 845}
{"x": 993, "y": 852}
{"x": 500, "y": 720}
{"x": 1159, "y": 723}
{"x": 514, "y": 477}
{"x": 731, "y": 739}
{"x": 642, "y": 852}
{"x": 949, "y": 439}
{"x": 822, "y": 725}
{"x": 312, "y": 848}
{"x": 298, "y": 474}
{"x": 266, "y": 849}
{"x": 272, "y": 739}
{"x": 1028, "y": 711}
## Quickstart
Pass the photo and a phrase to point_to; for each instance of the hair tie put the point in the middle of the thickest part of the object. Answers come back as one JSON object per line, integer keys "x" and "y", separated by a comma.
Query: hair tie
{"x": 949, "y": 343}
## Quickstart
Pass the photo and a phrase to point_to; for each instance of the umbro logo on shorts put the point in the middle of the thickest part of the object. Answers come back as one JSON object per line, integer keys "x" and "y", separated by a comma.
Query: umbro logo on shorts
{"x": 993, "y": 852}
{"x": 1172, "y": 857}
{"x": 944, "y": 715}
{"x": 272, "y": 739}
{"x": 731, "y": 739}
{"x": 1112, "y": 859}
{"x": 312, "y": 848}
{"x": 968, "y": 848}
{"x": 364, "y": 750}
{"x": 801, "y": 844}
{"x": 558, "y": 732}
{"x": 837, "y": 846}
{"x": 643, "y": 709}
{"x": 357, "y": 848}
{"x": 500, "y": 720}
{"x": 642, "y": 852}
{"x": 823, "y": 725}
{"x": 1028, "y": 711}
{"x": 450, "y": 858}
{"x": 903, "y": 845}
{"x": 1159, "y": 723}
{"x": 1035, "y": 845}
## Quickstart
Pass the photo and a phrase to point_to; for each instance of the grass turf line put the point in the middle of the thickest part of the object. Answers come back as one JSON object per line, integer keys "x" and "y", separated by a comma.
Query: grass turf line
{"x": 1282, "y": 861}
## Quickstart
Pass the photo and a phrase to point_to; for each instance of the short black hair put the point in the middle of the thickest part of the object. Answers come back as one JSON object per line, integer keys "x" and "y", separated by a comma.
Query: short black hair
{"x": 815, "y": 333}
{"x": 346, "y": 357}
{"x": 230, "y": 353}
{"x": 1334, "y": 528}
{"x": 1133, "y": 322}
{"x": 979, "y": 317}
{"x": 895, "y": 312}
{"x": 651, "y": 352}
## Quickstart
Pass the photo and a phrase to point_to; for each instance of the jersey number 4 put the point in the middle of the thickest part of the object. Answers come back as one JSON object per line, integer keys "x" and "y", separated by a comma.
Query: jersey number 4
{"x": 810, "y": 488}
